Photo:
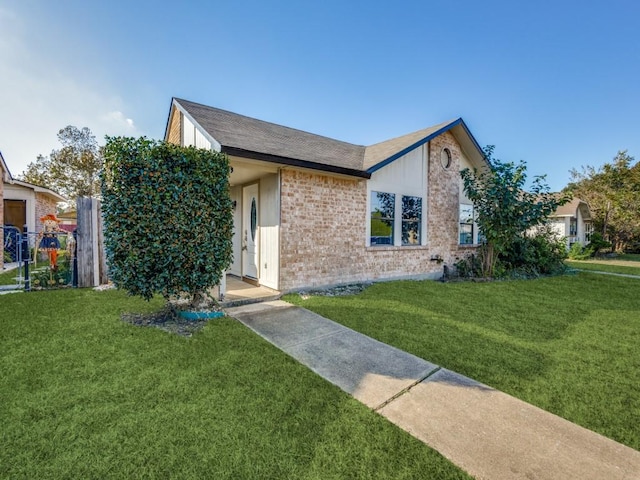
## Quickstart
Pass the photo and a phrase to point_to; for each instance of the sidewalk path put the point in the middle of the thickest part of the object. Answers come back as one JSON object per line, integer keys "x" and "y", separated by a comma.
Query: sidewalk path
{"x": 488, "y": 433}
{"x": 600, "y": 272}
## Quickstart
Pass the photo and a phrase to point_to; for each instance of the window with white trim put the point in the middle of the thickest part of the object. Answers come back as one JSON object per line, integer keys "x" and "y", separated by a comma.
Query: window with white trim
{"x": 411, "y": 220}
{"x": 383, "y": 207}
{"x": 395, "y": 219}
{"x": 466, "y": 224}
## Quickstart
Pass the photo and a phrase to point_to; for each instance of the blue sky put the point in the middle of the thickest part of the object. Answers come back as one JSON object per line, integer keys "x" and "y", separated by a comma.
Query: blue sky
{"x": 554, "y": 83}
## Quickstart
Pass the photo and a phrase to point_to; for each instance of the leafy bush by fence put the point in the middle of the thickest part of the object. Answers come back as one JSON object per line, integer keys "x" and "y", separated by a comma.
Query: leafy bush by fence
{"x": 167, "y": 217}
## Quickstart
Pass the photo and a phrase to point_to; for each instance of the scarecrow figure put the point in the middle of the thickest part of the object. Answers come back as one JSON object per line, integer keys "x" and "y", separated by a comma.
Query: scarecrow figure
{"x": 49, "y": 239}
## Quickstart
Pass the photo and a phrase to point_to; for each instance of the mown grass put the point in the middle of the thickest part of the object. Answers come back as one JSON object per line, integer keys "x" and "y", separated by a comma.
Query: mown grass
{"x": 8, "y": 277}
{"x": 570, "y": 344}
{"x": 86, "y": 395}
{"x": 603, "y": 266}
{"x": 628, "y": 263}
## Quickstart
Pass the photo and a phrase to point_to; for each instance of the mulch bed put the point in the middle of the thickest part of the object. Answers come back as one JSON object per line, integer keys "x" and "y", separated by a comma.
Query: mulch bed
{"x": 351, "y": 289}
{"x": 166, "y": 319}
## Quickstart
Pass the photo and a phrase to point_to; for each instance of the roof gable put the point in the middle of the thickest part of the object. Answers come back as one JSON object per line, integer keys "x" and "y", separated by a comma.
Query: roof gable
{"x": 571, "y": 208}
{"x": 252, "y": 138}
{"x": 232, "y": 130}
{"x": 5, "y": 174}
{"x": 383, "y": 153}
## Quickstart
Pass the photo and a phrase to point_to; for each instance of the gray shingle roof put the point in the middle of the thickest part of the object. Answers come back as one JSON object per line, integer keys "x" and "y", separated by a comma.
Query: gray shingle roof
{"x": 246, "y": 133}
{"x": 238, "y": 133}
{"x": 570, "y": 209}
{"x": 380, "y": 152}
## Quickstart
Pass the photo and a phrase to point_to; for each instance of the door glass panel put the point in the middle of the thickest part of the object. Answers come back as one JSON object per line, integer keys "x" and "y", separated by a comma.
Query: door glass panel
{"x": 254, "y": 219}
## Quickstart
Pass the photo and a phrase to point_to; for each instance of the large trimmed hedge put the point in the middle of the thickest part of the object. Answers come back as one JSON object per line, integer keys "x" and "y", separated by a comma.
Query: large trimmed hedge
{"x": 168, "y": 217}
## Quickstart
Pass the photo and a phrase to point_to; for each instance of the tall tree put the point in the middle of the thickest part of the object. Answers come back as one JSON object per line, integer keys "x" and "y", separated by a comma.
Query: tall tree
{"x": 74, "y": 169}
{"x": 505, "y": 210}
{"x": 613, "y": 195}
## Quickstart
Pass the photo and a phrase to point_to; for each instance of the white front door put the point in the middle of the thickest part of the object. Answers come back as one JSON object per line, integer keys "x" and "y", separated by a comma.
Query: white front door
{"x": 250, "y": 231}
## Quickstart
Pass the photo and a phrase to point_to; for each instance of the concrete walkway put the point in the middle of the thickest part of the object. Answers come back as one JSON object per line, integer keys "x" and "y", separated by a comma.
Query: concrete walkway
{"x": 485, "y": 432}
{"x": 600, "y": 272}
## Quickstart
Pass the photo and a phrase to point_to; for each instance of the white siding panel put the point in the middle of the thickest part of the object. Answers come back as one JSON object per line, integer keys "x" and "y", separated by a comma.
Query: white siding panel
{"x": 464, "y": 163}
{"x": 405, "y": 176}
{"x": 188, "y": 133}
{"x": 201, "y": 141}
{"x": 269, "y": 231}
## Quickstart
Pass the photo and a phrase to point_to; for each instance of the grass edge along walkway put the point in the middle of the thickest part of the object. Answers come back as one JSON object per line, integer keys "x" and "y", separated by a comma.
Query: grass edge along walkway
{"x": 569, "y": 345}
{"x": 447, "y": 411}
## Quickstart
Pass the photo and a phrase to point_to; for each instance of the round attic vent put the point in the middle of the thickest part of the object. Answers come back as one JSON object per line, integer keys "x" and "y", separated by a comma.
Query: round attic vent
{"x": 445, "y": 158}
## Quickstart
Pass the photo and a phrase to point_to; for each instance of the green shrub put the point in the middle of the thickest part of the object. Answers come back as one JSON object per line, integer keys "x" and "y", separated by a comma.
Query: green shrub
{"x": 576, "y": 251}
{"x": 469, "y": 267}
{"x": 580, "y": 252}
{"x": 529, "y": 255}
{"x": 597, "y": 243}
{"x": 167, "y": 217}
{"x": 541, "y": 253}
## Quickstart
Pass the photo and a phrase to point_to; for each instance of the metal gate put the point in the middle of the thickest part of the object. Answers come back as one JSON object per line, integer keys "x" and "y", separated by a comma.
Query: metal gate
{"x": 12, "y": 276}
{"x": 35, "y": 261}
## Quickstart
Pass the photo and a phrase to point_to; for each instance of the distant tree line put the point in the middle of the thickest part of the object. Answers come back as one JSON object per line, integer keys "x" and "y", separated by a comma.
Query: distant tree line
{"x": 73, "y": 170}
{"x": 613, "y": 194}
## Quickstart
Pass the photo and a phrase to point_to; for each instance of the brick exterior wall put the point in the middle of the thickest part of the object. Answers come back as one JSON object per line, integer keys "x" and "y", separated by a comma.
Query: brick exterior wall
{"x": 444, "y": 201}
{"x": 44, "y": 206}
{"x": 323, "y": 228}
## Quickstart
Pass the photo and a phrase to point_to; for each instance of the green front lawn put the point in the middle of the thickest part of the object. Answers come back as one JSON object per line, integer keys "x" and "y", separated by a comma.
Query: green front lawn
{"x": 628, "y": 263}
{"x": 603, "y": 266}
{"x": 8, "y": 277}
{"x": 570, "y": 345}
{"x": 85, "y": 395}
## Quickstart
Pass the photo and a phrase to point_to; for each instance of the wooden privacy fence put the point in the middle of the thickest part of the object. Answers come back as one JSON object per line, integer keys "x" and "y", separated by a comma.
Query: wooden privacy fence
{"x": 92, "y": 261}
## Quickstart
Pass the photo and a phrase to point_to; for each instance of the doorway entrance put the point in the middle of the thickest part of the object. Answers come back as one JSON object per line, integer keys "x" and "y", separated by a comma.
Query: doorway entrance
{"x": 250, "y": 232}
{"x": 15, "y": 213}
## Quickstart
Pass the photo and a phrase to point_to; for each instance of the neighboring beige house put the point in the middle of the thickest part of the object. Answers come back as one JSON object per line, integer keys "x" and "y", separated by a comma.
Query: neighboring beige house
{"x": 312, "y": 211}
{"x": 573, "y": 222}
{"x": 24, "y": 203}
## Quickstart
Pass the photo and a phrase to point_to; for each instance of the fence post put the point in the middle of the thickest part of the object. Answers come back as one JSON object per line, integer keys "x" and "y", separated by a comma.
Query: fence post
{"x": 92, "y": 267}
{"x": 74, "y": 271}
{"x": 25, "y": 257}
{"x": 85, "y": 243}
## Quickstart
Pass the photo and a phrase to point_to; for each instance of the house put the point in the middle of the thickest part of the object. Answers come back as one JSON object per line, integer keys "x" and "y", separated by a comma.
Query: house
{"x": 68, "y": 219}
{"x": 311, "y": 211}
{"x": 573, "y": 222}
{"x": 24, "y": 203}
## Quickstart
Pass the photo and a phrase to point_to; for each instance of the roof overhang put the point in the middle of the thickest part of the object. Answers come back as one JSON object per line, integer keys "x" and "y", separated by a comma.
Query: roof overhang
{"x": 174, "y": 103}
{"x": 5, "y": 173}
{"x": 566, "y": 211}
{"x": 37, "y": 189}
{"x": 292, "y": 162}
{"x": 262, "y": 157}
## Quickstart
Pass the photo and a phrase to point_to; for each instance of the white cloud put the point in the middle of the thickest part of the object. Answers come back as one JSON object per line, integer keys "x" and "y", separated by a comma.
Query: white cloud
{"x": 119, "y": 124}
{"x": 38, "y": 98}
